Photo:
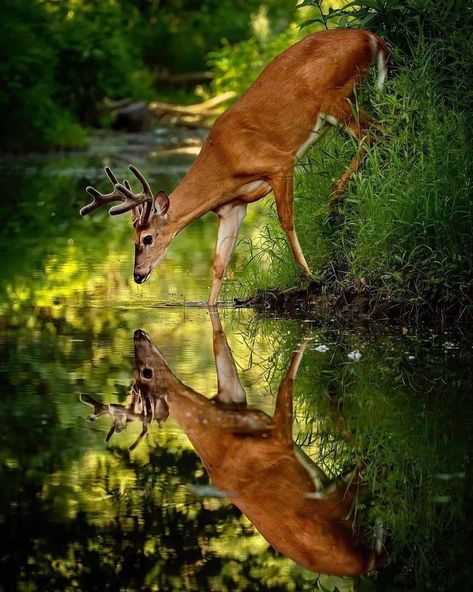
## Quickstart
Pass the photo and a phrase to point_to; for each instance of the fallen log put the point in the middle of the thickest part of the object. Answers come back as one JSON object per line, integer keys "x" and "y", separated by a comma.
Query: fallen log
{"x": 137, "y": 115}
{"x": 204, "y": 109}
{"x": 134, "y": 117}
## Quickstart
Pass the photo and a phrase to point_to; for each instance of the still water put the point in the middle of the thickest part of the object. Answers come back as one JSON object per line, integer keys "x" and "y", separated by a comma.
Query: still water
{"x": 148, "y": 443}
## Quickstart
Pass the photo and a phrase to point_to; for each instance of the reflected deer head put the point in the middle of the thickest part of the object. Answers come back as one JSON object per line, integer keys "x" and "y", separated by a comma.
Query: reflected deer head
{"x": 149, "y": 217}
{"x": 252, "y": 457}
{"x": 138, "y": 408}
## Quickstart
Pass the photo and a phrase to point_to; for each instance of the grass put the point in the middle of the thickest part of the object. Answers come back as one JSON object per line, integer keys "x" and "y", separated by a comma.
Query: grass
{"x": 404, "y": 230}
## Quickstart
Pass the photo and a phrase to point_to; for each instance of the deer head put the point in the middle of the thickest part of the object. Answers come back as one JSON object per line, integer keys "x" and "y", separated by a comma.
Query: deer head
{"x": 149, "y": 217}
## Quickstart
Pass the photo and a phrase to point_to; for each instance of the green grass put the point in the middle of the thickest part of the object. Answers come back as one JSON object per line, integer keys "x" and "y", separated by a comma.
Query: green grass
{"x": 406, "y": 222}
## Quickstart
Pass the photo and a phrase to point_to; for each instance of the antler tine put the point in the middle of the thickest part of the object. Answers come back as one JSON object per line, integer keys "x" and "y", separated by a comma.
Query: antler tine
{"x": 141, "y": 178}
{"x": 111, "y": 176}
{"x": 100, "y": 199}
{"x": 122, "y": 192}
{"x": 133, "y": 199}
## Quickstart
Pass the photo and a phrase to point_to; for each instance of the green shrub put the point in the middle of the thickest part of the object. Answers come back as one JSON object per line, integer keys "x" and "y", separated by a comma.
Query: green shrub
{"x": 60, "y": 61}
{"x": 29, "y": 116}
{"x": 409, "y": 219}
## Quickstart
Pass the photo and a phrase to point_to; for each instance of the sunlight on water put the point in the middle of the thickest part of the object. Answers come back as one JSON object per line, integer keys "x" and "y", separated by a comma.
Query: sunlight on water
{"x": 119, "y": 473}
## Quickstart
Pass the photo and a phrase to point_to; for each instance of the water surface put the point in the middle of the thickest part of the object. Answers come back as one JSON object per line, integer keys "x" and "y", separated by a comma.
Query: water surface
{"x": 77, "y": 512}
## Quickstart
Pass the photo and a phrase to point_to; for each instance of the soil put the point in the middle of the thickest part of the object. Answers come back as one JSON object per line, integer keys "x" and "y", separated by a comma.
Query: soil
{"x": 352, "y": 305}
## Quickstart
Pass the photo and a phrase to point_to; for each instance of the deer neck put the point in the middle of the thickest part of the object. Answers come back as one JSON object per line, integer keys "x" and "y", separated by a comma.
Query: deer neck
{"x": 205, "y": 187}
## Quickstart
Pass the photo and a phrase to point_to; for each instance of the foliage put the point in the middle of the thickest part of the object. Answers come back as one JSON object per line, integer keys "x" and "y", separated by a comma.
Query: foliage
{"x": 183, "y": 32}
{"x": 29, "y": 114}
{"x": 59, "y": 60}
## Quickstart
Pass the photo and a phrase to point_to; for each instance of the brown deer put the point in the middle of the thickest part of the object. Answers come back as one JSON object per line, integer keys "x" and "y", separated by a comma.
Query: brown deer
{"x": 252, "y": 458}
{"x": 252, "y": 148}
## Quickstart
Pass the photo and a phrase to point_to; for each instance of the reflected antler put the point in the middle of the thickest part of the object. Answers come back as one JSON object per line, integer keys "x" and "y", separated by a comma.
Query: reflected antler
{"x": 122, "y": 192}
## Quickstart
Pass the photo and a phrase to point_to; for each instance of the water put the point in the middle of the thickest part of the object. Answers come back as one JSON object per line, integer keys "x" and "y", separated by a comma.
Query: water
{"x": 139, "y": 511}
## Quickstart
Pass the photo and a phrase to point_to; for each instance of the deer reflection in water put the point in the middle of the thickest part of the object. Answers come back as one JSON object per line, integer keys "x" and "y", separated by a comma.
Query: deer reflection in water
{"x": 252, "y": 458}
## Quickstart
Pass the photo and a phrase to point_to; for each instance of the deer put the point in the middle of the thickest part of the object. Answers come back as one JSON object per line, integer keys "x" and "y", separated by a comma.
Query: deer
{"x": 252, "y": 459}
{"x": 252, "y": 148}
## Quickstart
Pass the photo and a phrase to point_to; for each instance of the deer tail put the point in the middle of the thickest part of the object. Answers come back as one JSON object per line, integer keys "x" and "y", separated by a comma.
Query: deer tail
{"x": 380, "y": 55}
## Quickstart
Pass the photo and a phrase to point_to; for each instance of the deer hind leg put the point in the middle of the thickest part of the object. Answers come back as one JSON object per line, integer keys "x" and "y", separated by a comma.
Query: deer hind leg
{"x": 282, "y": 186}
{"x": 230, "y": 389}
{"x": 357, "y": 125}
{"x": 230, "y": 217}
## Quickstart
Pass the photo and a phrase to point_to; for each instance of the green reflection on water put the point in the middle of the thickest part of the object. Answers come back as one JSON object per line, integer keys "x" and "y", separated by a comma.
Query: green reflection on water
{"x": 78, "y": 514}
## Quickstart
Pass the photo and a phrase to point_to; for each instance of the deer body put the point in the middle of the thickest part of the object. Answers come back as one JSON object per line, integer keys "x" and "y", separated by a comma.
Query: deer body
{"x": 264, "y": 479}
{"x": 252, "y": 148}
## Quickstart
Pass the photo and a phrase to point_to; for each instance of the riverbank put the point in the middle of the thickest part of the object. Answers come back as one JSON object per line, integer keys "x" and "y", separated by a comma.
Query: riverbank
{"x": 352, "y": 305}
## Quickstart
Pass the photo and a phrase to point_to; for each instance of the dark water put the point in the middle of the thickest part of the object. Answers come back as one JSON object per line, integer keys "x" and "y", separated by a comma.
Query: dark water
{"x": 387, "y": 434}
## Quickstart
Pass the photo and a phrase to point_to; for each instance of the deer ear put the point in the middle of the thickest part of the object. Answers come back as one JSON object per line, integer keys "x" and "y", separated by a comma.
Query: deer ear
{"x": 161, "y": 203}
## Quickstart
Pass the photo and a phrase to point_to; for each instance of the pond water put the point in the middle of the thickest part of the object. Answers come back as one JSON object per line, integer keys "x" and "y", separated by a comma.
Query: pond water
{"x": 327, "y": 452}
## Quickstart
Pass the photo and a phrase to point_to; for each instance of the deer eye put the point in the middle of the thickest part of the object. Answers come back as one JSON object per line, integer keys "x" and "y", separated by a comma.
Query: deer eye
{"x": 148, "y": 239}
{"x": 147, "y": 373}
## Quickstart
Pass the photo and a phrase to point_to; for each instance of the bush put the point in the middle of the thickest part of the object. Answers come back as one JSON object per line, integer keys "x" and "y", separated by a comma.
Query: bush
{"x": 60, "y": 61}
{"x": 29, "y": 115}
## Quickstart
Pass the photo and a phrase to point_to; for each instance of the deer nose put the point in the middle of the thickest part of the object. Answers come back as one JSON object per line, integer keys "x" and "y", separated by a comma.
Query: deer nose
{"x": 139, "y": 279}
{"x": 141, "y": 337}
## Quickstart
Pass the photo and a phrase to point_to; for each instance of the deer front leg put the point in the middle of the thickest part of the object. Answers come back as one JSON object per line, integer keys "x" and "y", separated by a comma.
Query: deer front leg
{"x": 282, "y": 186}
{"x": 283, "y": 412}
{"x": 230, "y": 217}
{"x": 230, "y": 389}
{"x": 283, "y": 416}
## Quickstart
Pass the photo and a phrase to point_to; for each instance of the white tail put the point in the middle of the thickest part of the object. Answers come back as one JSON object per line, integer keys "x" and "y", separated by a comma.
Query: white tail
{"x": 378, "y": 49}
{"x": 253, "y": 147}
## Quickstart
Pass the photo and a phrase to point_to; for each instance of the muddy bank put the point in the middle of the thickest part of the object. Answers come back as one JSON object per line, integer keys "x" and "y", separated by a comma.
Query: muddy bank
{"x": 350, "y": 305}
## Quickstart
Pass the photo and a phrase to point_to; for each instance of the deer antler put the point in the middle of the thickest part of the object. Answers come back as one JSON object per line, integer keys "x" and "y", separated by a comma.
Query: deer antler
{"x": 122, "y": 192}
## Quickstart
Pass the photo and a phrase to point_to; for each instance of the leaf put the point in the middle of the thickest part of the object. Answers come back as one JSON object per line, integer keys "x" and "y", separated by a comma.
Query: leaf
{"x": 311, "y": 22}
{"x": 367, "y": 20}
{"x": 305, "y": 3}
{"x": 371, "y": 4}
